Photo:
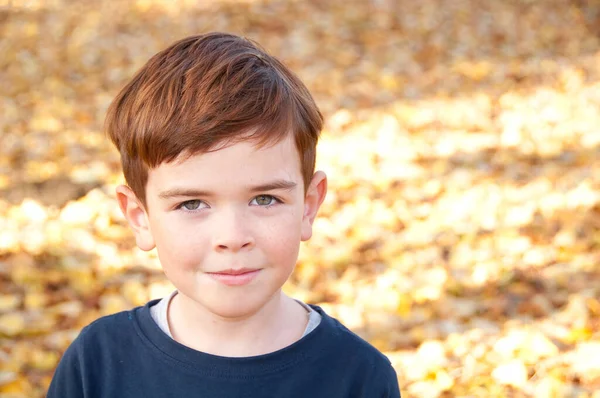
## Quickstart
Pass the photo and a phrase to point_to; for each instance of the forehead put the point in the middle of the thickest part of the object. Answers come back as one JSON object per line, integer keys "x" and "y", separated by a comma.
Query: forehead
{"x": 240, "y": 163}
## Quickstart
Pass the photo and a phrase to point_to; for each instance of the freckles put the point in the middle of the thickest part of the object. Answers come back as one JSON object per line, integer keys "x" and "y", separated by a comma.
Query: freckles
{"x": 286, "y": 239}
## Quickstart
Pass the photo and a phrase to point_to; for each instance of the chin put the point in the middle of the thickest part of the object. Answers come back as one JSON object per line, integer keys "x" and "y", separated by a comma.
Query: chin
{"x": 235, "y": 310}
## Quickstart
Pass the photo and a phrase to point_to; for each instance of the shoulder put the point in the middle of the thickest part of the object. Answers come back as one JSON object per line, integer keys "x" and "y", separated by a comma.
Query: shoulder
{"x": 107, "y": 339}
{"x": 85, "y": 360}
{"x": 108, "y": 326}
{"x": 371, "y": 370}
{"x": 107, "y": 333}
{"x": 353, "y": 344}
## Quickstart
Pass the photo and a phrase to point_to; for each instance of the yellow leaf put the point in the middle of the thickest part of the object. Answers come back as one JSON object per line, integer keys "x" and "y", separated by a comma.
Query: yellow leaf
{"x": 404, "y": 306}
{"x": 44, "y": 360}
{"x": 512, "y": 373}
{"x": 549, "y": 387}
{"x": 9, "y": 302}
{"x": 443, "y": 380}
{"x": 474, "y": 70}
{"x": 4, "y": 181}
{"x": 381, "y": 344}
{"x": 112, "y": 303}
{"x": 7, "y": 377}
{"x": 12, "y": 324}
{"x": 19, "y": 387}
{"x": 35, "y": 300}
{"x": 135, "y": 292}
{"x": 82, "y": 280}
{"x": 579, "y": 334}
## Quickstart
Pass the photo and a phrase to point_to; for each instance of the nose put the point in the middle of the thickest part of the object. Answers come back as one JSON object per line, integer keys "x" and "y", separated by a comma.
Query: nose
{"x": 231, "y": 232}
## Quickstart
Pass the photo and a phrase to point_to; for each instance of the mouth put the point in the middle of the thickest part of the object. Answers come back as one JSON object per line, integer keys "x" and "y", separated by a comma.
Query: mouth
{"x": 231, "y": 271}
{"x": 235, "y": 277}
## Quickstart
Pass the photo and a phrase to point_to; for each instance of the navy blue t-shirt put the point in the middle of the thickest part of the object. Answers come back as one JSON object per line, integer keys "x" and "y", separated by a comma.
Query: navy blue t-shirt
{"x": 127, "y": 355}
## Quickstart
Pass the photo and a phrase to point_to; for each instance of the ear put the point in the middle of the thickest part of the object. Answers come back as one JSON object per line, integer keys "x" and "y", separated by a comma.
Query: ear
{"x": 315, "y": 195}
{"x": 136, "y": 216}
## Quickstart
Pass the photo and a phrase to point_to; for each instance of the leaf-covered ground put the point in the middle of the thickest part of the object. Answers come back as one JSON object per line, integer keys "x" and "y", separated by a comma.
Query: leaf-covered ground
{"x": 461, "y": 235}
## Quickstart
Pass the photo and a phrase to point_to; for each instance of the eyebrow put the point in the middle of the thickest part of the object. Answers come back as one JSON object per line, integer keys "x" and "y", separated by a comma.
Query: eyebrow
{"x": 274, "y": 185}
{"x": 190, "y": 192}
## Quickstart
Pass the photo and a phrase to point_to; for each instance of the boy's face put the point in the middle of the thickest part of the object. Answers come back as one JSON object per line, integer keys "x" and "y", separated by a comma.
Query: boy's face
{"x": 238, "y": 207}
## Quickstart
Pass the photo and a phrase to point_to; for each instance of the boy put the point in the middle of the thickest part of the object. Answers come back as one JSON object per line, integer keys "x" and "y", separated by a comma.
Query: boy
{"x": 217, "y": 141}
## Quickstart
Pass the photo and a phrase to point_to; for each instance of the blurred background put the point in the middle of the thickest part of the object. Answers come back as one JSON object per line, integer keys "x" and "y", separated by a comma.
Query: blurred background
{"x": 461, "y": 234}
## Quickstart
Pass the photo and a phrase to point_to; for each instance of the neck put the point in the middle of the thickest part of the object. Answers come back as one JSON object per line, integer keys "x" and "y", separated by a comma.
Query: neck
{"x": 277, "y": 324}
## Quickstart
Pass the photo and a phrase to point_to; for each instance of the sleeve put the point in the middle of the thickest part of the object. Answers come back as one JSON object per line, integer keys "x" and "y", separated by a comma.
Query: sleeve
{"x": 391, "y": 380}
{"x": 67, "y": 380}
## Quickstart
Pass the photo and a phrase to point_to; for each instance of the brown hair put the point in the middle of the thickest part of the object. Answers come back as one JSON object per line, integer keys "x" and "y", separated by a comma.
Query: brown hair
{"x": 205, "y": 91}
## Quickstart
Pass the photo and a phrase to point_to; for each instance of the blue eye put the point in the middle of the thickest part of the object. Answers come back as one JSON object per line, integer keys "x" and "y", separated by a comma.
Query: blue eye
{"x": 192, "y": 205}
{"x": 265, "y": 200}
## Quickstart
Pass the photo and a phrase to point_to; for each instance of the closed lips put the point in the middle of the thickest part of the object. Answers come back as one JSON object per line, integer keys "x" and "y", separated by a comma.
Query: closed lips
{"x": 234, "y": 272}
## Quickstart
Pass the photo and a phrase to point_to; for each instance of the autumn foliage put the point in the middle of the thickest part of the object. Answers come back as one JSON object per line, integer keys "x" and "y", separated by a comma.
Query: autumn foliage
{"x": 461, "y": 235}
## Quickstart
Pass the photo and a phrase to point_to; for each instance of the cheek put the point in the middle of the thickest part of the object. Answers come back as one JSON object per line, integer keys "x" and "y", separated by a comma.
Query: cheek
{"x": 176, "y": 241}
{"x": 282, "y": 236}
